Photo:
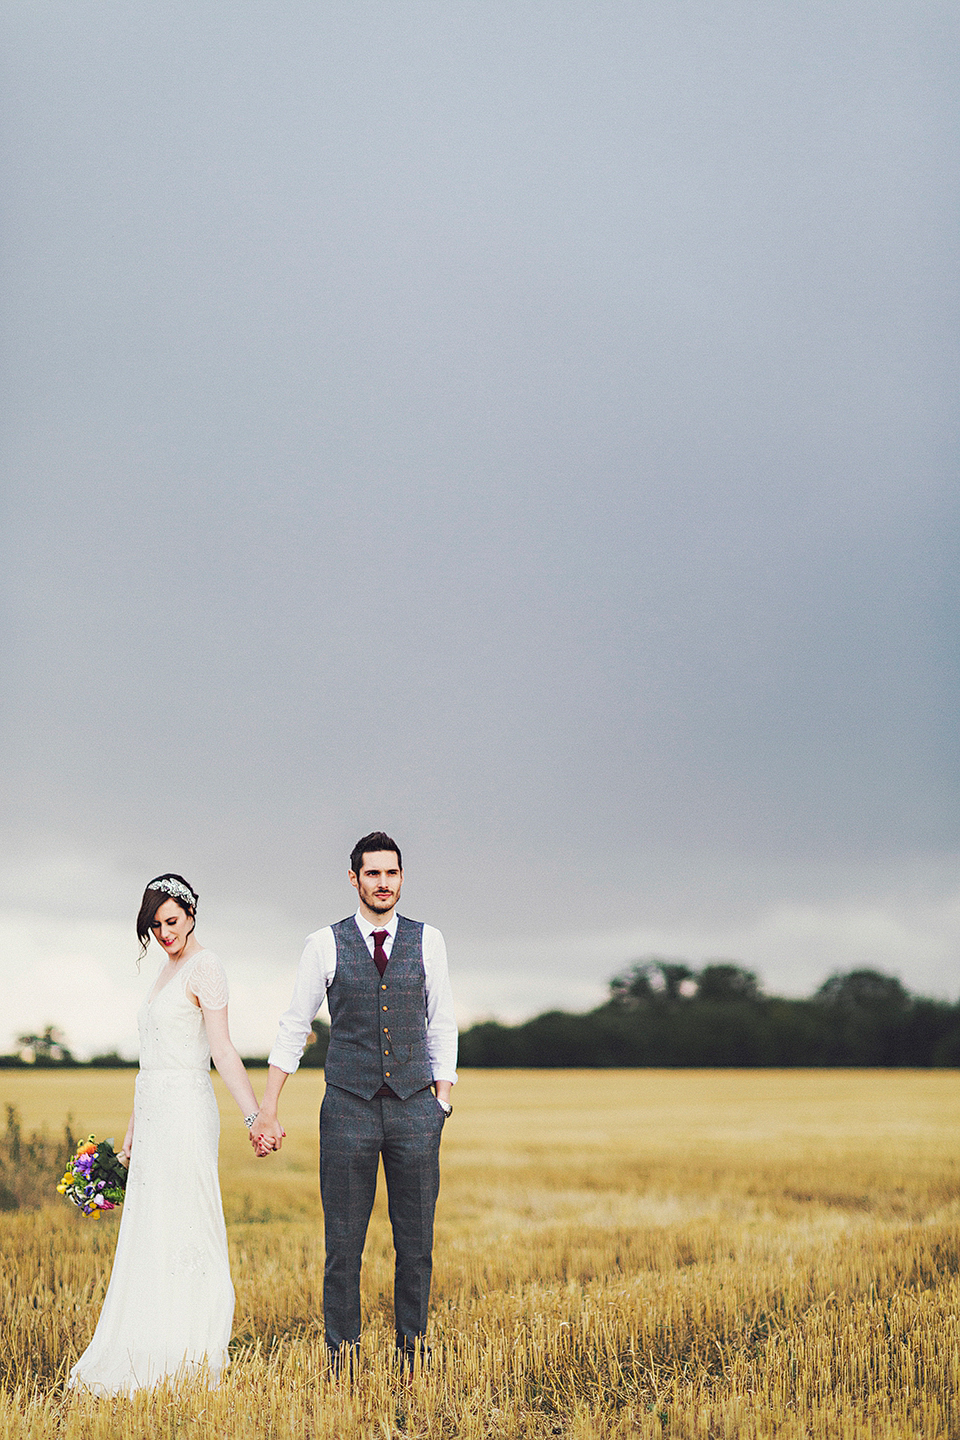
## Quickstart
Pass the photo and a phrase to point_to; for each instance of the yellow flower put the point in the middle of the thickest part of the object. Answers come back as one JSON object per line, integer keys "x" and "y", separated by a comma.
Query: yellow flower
{"x": 61, "y": 1189}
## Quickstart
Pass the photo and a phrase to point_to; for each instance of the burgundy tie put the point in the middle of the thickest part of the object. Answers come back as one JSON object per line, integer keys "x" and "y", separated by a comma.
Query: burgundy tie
{"x": 379, "y": 954}
{"x": 380, "y": 960}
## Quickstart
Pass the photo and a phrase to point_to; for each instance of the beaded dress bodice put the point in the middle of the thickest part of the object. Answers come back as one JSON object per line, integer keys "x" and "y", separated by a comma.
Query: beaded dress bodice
{"x": 172, "y": 1033}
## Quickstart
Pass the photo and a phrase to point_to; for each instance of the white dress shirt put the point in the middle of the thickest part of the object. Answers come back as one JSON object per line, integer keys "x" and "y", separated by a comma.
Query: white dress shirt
{"x": 318, "y": 966}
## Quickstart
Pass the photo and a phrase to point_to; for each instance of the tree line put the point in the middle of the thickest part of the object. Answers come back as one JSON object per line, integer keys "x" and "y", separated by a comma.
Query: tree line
{"x": 49, "y": 1050}
{"x": 665, "y": 1013}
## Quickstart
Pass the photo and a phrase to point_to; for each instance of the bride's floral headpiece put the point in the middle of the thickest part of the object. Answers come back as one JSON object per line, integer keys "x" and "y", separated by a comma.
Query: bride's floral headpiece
{"x": 173, "y": 888}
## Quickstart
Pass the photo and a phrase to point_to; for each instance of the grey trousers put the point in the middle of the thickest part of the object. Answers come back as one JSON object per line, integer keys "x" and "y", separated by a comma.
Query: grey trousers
{"x": 354, "y": 1134}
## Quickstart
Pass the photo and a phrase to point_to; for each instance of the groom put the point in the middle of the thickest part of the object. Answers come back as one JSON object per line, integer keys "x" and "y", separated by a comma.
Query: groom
{"x": 389, "y": 1071}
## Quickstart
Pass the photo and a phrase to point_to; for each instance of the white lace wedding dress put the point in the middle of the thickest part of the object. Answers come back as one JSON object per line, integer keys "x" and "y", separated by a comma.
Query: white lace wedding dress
{"x": 168, "y": 1310}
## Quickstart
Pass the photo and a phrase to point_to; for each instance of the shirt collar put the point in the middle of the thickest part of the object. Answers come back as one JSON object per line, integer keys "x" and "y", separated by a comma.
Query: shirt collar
{"x": 366, "y": 929}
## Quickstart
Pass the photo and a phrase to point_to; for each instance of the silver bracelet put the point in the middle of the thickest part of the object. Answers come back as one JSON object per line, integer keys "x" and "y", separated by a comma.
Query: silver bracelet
{"x": 249, "y": 1119}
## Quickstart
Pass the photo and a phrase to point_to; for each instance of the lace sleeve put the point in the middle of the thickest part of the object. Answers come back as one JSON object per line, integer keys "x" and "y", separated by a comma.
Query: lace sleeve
{"x": 209, "y": 982}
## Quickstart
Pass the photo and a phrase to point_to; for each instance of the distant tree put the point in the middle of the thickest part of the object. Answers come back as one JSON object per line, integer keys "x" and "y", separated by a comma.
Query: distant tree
{"x": 719, "y": 1033}
{"x": 928, "y": 1034}
{"x": 318, "y": 1041}
{"x": 722, "y": 980}
{"x": 865, "y": 1011}
{"x": 946, "y": 1051}
{"x": 631, "y": 987}
{"x": 859, "y": 992}
{"x": 652, "y": 982}
{"x": 48, "y": 1048}
{"x": 796, "y": 1034}
{"x": 490, "y": 1045}
{"x": 558, "y": 1038}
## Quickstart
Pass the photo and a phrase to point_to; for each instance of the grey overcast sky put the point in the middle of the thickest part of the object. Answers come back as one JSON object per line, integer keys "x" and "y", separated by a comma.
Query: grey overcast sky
{"x": 529, "y": 428}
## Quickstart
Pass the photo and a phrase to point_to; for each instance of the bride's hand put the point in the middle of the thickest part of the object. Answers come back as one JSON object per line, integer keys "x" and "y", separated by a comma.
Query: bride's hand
{"x": 266, "y": 1134}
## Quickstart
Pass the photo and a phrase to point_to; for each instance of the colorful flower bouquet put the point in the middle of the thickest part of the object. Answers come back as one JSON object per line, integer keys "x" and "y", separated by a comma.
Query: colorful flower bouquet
{"x": 95, "y": 1178}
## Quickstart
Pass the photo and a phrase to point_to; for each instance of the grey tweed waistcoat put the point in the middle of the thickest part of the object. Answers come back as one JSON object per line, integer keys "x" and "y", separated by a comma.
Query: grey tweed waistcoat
{"x": 378, "y": 1025}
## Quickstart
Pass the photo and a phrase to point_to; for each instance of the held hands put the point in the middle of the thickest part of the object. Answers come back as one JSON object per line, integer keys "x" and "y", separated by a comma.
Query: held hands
{"x": 266, "y": 1134}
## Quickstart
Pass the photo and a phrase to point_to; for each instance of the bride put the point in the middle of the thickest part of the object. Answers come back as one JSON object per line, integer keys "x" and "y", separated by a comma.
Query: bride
{"x": 168, "y": 1310}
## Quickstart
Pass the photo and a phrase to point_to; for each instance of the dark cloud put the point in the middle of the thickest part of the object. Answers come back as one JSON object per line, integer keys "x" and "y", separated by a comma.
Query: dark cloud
{"x": 531, "y": 430}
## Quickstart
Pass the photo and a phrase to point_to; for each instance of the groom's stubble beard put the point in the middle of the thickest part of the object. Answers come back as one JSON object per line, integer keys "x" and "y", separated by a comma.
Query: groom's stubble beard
{"x": 373, "y": 902}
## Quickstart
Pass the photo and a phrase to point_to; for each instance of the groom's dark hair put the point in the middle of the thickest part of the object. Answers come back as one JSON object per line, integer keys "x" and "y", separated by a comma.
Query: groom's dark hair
{"x": 376, "y": 840}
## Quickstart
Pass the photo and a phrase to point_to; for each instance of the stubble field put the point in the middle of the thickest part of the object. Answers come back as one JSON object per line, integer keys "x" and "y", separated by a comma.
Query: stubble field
{"x": 621, "y": 1253}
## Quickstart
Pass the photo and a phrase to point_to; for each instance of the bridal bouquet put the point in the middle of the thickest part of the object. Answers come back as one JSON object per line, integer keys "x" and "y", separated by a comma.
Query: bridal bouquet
{"x": 94, "y": 1179}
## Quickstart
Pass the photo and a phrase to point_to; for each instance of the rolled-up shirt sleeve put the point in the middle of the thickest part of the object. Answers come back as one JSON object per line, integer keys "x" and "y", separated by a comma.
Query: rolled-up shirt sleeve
{"x": 442, "y": 1032}
{"x": 317, "y": 967}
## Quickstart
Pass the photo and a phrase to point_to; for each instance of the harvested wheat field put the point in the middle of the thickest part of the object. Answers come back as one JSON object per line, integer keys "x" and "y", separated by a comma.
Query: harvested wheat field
{"x": 619, "y": 1253}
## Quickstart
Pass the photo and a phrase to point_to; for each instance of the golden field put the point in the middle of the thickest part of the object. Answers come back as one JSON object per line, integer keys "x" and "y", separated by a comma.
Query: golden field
{"x": 619, "y": 1253}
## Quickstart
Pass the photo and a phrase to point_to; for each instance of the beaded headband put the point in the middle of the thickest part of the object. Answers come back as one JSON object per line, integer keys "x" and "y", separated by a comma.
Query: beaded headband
{"x": 173, "y": 888}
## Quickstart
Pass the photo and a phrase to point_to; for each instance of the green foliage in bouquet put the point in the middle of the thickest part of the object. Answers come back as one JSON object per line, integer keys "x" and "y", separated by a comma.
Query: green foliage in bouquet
{"x": 95, "y": 1179}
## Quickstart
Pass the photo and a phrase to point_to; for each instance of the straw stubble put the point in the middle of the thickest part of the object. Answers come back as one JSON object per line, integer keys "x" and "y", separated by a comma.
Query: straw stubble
{"x": 620, "y": 1253}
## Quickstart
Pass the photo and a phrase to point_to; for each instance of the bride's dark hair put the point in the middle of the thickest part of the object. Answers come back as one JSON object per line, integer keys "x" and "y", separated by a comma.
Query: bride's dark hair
{"x": 168, "y": 886}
